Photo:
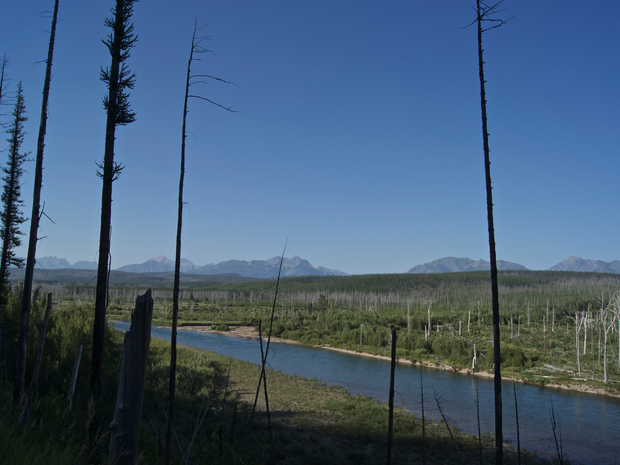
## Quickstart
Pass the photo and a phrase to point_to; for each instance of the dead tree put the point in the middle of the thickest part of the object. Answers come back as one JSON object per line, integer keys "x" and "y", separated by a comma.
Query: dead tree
{"x": 4, "y": 64}
{"x": 484, "y": 13}
{"x": 125, "y": 428}
{"x": 429, "y": 305}
{"x": 35, "y": 217}
{"x": 37, "y": 365}
{"x": 608, "y": 319}
{"x": 74, "y": 374}
{"x": 195, "y": 49}
{"x": 391, "y": 398}
{"x": 579, "y": 320}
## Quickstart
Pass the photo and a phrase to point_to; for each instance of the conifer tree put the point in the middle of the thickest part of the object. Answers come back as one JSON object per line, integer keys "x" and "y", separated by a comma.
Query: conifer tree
{"x": 119, "y": 80}
{"x": 11, "y": 216}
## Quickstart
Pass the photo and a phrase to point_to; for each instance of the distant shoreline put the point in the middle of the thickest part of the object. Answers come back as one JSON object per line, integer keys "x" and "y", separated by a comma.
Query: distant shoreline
{"x": 248, "y": 332}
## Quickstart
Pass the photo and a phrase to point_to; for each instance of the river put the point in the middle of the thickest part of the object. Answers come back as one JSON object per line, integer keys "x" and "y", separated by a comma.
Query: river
{"x": 589, "y": 424}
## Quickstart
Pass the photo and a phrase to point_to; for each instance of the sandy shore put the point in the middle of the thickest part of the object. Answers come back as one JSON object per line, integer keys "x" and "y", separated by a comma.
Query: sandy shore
{"x": 248, "y": 332}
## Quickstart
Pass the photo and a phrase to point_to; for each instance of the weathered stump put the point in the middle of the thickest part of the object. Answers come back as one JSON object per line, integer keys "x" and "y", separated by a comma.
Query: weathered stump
{"x": 125, "y": 428}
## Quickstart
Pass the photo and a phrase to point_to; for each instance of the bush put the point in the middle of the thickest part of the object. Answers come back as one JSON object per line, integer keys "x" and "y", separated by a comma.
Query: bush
{"x": 512, "y": 357}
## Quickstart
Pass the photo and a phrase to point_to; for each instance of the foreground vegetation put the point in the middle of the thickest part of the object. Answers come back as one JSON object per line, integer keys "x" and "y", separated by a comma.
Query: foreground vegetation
{"x": 311, "y": 422}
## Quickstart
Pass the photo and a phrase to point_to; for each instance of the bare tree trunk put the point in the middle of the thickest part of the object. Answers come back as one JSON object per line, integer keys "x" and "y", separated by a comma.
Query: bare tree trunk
{"x": 20, "y": 372}
{"x": 195, "y": 48}
{"x": 74, "y": 374}
{"x": 514, "y": 388}
{"x": 37, "y": 365}
{"x": 125, "y": 428}
{"x": 391, "y": 399}
{"x": 423, "y": 418}
{"x": 177, "y": 263}
{"x": 499, "y": 437}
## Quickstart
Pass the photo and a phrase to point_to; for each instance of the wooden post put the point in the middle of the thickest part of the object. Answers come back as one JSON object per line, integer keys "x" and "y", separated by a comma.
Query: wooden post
{"x": 125, "y": 428}
{"x": 74, "y": 373}
{"x": 391, "y": 412}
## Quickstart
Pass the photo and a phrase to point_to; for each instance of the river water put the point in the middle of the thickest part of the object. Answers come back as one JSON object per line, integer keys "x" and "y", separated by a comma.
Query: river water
{"x": 589, "y": 424}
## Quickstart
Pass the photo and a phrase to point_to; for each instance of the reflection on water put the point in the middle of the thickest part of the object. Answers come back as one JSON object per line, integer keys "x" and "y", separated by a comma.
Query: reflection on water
{"x": 589, "y": 424}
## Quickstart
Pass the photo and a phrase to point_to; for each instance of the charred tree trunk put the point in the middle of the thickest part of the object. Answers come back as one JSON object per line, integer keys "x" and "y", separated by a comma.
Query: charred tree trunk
{"x": 24, "y": 321}
{"x": 177, "y": 264}
{"x": 391, "y": 399}
{"x": 125, "y": 428}
{"x": 37, "y": 365}
{"x": 195, "y": 48}
{"x": 499, "y": 452}
{"x": 74, "y": 374}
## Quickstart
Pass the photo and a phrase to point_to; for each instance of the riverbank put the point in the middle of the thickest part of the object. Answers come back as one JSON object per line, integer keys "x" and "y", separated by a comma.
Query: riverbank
{"x": 311, "y": 421}
{"x": 249, "y": 332}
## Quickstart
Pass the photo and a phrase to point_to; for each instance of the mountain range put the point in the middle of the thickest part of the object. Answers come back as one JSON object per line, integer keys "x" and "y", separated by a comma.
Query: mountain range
{"x": 53, "y": 263}
{"x": 297, "y": 266}
{"x": 294, "y": 266}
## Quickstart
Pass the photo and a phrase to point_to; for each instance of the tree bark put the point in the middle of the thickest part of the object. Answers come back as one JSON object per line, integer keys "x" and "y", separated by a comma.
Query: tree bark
{"x": 24, "y": 321}
{"x": 391, "y": 399}
{"x": 118, "y": 113}
{"x": 74, "y": 374}
{"x": 37, "y": 365}
{"x": 125, "y": 428}
{"x": 499, "y": 451}
{"x": 177, "y": 264}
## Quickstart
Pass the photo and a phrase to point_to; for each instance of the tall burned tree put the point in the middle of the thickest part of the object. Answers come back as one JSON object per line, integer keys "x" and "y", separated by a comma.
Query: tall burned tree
{"x": 119, "y": 80}
{"x": 35, "y": 217}
{"x": 4, "y": 64}
{"x": 11, "y": 216}
{"x": 484, "y": 13}
{"x": 196, "y": 49}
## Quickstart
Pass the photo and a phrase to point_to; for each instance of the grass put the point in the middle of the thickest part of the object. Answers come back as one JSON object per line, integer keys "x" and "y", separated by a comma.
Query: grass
{"x": 312, "y": 421}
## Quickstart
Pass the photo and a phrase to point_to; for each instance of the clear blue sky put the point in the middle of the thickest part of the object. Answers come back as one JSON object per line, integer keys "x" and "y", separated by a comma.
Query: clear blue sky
{"x": 358, "y": 134}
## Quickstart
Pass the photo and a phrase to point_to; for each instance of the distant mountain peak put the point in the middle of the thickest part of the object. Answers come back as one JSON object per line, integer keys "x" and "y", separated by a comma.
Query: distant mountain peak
{"x": 574, "y": 263}
{"x": 456, "y": 265}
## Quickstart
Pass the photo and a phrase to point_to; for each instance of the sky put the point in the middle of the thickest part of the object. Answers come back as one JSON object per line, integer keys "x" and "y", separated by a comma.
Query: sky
{"x": 357, "y": 132}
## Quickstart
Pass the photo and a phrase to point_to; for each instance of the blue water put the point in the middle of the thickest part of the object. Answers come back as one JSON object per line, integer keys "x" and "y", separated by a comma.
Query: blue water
{"x": 589, "y": 424}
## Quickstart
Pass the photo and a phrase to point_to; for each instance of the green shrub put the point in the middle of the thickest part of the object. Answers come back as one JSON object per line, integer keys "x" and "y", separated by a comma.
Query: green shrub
{"x": 421, "y": 353}
{"x": 512, "y": 357}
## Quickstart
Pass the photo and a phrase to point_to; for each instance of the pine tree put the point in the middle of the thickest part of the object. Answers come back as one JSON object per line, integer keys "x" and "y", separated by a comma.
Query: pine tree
{"x": 11, "y": 216}
{"x": 119, "y": 80}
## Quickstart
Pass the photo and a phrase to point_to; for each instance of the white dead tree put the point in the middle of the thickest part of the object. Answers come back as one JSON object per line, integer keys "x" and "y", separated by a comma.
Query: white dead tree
{"x": 579, "y": 320}
{"x": 608, "y": 319}
{"x": 614, "y": 306}
{"x": 585, "y": 330}
{"x": 430, "y": 304}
